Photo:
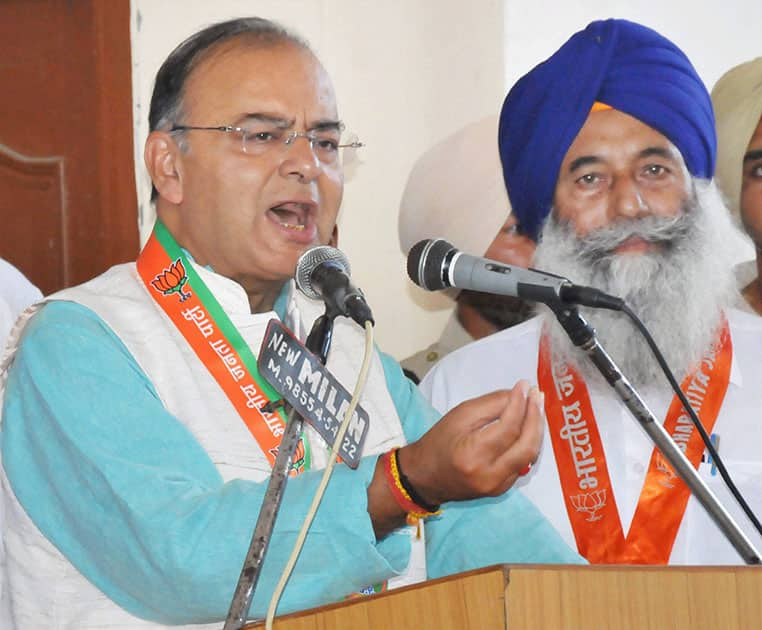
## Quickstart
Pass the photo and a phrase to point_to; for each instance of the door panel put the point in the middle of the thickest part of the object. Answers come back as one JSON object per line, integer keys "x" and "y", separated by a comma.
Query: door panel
{"x": 68, "y": 208}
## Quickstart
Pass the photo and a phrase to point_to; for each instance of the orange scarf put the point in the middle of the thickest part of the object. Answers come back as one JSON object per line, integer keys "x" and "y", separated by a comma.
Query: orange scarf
{"x": 181, "y": 293}
{"x": 583, "y": 472}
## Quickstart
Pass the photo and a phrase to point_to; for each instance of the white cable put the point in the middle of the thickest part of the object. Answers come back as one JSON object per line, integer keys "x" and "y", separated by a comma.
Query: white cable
{"x": 359, "y": 386}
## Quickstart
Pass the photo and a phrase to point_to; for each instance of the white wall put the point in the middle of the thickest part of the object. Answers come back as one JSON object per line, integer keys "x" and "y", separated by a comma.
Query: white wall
{"x": 407, "y": 73}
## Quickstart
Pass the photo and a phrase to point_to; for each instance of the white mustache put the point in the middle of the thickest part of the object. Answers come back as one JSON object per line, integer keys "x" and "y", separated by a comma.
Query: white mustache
{"x": 670, "y": 232}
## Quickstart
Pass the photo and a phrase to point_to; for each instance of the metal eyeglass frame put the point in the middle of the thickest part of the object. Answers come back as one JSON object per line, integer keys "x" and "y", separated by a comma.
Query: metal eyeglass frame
{"x": 287, "y": 141}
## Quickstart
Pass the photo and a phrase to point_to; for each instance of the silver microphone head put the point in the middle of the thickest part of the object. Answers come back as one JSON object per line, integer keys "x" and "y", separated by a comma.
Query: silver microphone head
{"x": 313, "y": 258}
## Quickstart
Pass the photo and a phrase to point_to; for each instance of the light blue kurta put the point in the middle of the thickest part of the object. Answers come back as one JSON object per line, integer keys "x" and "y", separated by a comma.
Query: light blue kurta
{"x": 127, "y": 494}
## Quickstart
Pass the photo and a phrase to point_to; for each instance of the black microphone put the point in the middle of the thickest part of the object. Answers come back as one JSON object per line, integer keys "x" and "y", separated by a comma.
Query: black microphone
{"x": 435, "y": 264}
{"x": 323, "y": 272}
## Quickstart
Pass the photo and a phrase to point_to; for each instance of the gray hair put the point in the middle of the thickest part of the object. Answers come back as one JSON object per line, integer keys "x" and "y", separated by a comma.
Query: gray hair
{"x": 167, "y": 98}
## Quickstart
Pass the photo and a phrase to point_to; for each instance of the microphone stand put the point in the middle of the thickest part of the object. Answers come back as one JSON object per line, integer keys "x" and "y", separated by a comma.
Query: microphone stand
{"x": 319, "y": 343}
{"x": 582, "y": 335}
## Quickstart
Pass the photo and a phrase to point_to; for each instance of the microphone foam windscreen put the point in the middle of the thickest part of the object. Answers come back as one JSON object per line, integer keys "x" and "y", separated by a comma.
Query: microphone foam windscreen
{"x": 311, "y": 260}
{"x": 425, "y": 263}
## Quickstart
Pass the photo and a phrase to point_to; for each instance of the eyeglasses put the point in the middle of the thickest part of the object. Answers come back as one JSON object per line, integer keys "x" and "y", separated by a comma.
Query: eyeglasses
{"x": 269, "y": 139}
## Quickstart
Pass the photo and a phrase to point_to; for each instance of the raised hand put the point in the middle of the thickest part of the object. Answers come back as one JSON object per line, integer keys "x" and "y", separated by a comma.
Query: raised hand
{"x": 477, "y": 449}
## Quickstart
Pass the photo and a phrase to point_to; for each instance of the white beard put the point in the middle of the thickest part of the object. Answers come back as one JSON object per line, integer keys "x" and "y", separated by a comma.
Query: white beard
{"x": 678, "y": 291}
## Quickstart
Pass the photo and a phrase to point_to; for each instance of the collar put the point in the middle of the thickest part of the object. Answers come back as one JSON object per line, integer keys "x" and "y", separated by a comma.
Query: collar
{"x": 232, "y": 296}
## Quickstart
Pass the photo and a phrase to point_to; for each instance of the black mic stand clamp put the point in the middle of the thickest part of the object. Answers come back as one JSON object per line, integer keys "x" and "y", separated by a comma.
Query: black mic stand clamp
{"x": 319, "y": 343}
{"x": 583, "y": 336}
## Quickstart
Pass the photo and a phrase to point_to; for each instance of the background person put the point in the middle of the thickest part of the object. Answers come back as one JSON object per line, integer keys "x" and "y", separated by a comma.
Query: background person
{"x": 16, "y": 293}
{"x": 737, "y": 100}
{"x": 455, "y": 191}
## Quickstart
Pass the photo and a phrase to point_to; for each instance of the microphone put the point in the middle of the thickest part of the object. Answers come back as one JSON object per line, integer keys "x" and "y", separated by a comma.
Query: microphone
{"x": 323, "y": 272}
{"x": 435, "y": 264}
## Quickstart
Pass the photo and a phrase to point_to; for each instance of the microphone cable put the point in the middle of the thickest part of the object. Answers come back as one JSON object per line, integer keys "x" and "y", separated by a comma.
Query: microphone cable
{"x": 694, "y": 418}
{"x": 299, "y": 543}
{"x": 429, "y": 260}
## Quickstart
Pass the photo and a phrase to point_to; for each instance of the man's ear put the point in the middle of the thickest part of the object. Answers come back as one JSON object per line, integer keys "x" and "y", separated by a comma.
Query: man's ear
{"x": 163, "y": 160}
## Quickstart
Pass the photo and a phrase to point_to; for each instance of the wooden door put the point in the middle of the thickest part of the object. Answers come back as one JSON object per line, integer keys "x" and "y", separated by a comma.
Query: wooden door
{"x": 68, "y": 208}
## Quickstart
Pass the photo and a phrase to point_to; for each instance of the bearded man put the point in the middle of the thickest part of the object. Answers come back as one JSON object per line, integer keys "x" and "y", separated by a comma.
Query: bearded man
{"x": 608, "y": 152}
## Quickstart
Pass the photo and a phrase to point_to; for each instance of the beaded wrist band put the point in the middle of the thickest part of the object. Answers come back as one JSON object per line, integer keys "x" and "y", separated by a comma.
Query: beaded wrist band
{"x": 403, "y": 493}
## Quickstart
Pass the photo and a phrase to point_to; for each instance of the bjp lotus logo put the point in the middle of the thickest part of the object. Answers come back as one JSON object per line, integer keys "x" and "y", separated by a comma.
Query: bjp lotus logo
{"x": 172, "y": 280}
{"x": 298, "y": 458}
{"x": 590, "y": 503}
{"x": 668, "y": 475}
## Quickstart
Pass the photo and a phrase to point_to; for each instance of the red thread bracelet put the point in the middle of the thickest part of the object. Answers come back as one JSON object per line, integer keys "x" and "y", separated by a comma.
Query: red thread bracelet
{"x": 392, "y": 473}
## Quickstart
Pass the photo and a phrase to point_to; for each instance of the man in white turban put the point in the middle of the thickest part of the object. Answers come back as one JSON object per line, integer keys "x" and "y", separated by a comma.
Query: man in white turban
{"x": 737, "y": 101}
{"x": 455, "y": 191}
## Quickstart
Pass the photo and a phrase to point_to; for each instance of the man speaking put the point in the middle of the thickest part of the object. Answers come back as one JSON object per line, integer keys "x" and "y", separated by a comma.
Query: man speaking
{"x": 133, "y": 473}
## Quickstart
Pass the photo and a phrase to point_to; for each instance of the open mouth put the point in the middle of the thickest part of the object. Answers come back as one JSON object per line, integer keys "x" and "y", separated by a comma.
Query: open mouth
{"x": 292, "y": 216}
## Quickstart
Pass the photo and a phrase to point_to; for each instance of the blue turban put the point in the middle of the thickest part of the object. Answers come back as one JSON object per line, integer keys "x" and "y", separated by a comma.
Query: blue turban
{"x": 622, "y": 64}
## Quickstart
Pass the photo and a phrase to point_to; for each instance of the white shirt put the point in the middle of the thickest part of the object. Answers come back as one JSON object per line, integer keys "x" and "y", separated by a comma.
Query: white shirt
{"x": 16, "y": 293}
{"x": 453, "y": 337}
{"x": 498, "y": 361}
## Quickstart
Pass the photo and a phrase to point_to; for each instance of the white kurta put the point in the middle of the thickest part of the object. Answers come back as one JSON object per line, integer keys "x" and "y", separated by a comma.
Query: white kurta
{"x": 502, "y": 359}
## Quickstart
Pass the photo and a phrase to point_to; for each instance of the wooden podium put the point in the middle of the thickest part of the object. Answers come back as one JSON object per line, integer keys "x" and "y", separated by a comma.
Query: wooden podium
{"x": 539, "y": 597}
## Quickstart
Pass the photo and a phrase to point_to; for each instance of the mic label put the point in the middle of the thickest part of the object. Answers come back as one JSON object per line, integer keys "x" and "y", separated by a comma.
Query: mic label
{"x": 307, "y": 385}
